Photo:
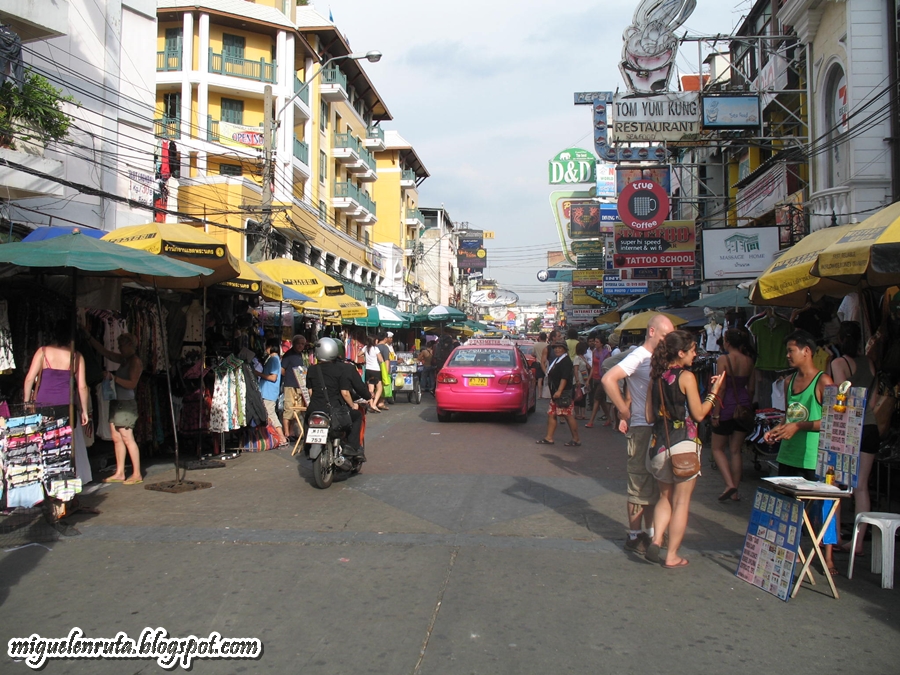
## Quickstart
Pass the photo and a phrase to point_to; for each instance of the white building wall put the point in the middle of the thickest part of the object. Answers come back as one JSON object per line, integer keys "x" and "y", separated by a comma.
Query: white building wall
{"x": 106, "y": 61}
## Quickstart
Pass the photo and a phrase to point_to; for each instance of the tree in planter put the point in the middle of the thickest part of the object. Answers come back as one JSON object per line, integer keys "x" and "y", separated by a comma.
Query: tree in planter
{"x": 32, "y": 114}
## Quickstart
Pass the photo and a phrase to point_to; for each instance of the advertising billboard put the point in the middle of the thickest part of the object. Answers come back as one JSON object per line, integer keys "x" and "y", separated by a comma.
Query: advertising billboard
{"x": 470, "y": 253}
{"x": 738, "y": 252}
{"x": 730, "y": 112}
{"x": 666, "y": 117}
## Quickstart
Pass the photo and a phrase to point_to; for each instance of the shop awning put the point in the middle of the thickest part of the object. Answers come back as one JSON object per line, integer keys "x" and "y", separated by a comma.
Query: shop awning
{"x": 326, "y": 294}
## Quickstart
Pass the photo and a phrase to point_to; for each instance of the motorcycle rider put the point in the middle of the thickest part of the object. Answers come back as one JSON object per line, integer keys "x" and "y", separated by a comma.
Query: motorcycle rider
{"x": 338, "y": 384}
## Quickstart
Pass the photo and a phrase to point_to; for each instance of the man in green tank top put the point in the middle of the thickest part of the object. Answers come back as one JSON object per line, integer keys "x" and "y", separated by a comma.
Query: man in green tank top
{"x": 803, "y": 392}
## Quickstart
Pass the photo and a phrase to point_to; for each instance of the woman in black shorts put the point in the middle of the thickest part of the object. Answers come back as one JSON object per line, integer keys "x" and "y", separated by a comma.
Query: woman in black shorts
{"x": 373, "y": 373}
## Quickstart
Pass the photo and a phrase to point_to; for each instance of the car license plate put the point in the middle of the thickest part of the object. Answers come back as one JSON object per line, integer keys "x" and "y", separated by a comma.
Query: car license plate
{"x": 478, "y": 382}
{"x": 317, "y": 435}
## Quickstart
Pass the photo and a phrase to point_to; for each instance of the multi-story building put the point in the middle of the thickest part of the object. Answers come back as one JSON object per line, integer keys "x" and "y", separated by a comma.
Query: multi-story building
{"x": 851, "y": 82}
{"x": 396, "y": 234}
{"x": 99, "y": 53}
{"x": 215, "y": 61}
{"x": 435, "y": 272}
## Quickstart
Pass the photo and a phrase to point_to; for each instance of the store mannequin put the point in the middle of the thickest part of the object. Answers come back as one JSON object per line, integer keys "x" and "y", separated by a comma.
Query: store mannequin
{"x": 713, "y": 333}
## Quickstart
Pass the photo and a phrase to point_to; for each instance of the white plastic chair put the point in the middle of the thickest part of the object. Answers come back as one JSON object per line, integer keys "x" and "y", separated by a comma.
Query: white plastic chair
{"x": 884, "y": 531}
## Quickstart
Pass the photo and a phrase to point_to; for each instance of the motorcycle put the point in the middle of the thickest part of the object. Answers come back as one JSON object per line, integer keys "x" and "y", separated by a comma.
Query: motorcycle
{"x": 324, "y": 448}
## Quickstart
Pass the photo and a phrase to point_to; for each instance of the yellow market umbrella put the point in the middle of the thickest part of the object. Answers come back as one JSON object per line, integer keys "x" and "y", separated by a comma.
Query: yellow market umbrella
{"x": 868, "y": 253}
{"x": 787, "y": 282}
{"x": 640, "y": 321}
{"x": 180, "y": 242}
{"x": 253, "y": 281}
{"x": 609, "y": 317}
{"x": 327, "y": 294}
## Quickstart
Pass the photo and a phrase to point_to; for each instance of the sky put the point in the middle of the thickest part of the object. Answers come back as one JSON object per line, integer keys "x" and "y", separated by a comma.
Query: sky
{"x": 483, "y": 90}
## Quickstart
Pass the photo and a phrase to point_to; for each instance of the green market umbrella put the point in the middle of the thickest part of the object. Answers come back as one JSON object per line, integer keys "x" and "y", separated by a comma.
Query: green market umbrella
{"x": 439, "y": 314}
{"x": 77, "y": 253}
{"x": 384, "y": 317}
{"x": 734, "y": 297}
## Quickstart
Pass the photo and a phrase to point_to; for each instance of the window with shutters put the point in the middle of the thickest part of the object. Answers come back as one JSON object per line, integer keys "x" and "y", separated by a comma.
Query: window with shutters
{"x": 323, "y": 167}
{"x": 232, "y": 111}
{"x": 174, "y": 38}
{"x": 233, "y": 46}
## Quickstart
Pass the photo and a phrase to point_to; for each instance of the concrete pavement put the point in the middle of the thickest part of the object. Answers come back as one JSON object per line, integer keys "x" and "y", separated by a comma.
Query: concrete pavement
{"x": 462, "y": 548}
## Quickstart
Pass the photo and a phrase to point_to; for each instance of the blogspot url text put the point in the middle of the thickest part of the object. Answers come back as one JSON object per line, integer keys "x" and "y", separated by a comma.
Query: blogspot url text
{"x": 153, "y": 643}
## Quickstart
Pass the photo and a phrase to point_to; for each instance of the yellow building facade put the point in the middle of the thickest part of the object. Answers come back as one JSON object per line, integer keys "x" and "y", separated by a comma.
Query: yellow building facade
{"x": 214, "y": 64}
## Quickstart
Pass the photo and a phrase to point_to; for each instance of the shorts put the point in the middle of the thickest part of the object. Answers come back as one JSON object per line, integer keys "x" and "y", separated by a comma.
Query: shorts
{"x": 373, "y": 376}
{"x": 538, "y": 371}
{"x": 123, "y": 414}
{"x": 870, "y": 439}
{"x": 642, "y": 487}
{"x": 272, "y": 413}
{"x": 660, "y": 464}
{"x": 597, "y": 390}
{"x": 292, "y": 398}
{"x": 725, "y": 428}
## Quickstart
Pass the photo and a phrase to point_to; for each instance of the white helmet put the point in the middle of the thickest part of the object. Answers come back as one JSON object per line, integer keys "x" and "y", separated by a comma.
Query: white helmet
{"x": 327, "y": 349}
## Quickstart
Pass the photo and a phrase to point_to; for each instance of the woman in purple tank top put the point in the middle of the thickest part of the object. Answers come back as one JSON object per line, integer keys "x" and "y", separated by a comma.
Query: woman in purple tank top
{"x": 50, "y": 367}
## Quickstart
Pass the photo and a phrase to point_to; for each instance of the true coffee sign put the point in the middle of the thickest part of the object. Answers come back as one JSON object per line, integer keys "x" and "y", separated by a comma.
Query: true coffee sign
{"x": 573, "y": 166}
{"x": 643, "y": 205}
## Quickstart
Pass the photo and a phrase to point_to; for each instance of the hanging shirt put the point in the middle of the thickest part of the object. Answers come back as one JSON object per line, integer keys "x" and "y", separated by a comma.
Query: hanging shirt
{"x": 713, "y": 333}
{"x": 770, "y": 348}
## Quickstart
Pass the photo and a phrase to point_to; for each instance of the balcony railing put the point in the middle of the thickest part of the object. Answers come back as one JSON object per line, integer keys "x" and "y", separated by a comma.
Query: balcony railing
{"x": 829, "y": 207}
{"x": 415, "y": 214}
{"x": 348, "y": 140}
{"x": 368, "y": 158}
{"x": 168, "y": 60}
{"x": 167, "y": 127}
{"x": 410, "y": 245}
{"x": 301, "y": 151}
{"x": 212, "y": 130}
{"x": 350, "y": 191}
{"x": 334, "y": 76}
{"x": 261, "y": 70}
{"x": 375, "y": 132}
{"x": 408, "y": 175}
{"x": 301, "y": 88}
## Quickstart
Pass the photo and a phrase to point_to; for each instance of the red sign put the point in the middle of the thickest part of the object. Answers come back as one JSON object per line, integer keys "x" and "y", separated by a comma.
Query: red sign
{"x": 643, "y": 205}
{"x": 633, "y": 260}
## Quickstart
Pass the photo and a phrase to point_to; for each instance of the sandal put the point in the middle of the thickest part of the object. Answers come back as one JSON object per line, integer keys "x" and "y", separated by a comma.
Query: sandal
{"x": 544, "y": 441}
{"x": 572, "y": 444}
{"x": 684, "y": 563}
{"x": 725, "y": 496}
{"x": 589, "y": 425}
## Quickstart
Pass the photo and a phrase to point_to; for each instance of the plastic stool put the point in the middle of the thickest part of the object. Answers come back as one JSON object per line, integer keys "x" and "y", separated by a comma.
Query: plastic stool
{"x": 887, "y": 525}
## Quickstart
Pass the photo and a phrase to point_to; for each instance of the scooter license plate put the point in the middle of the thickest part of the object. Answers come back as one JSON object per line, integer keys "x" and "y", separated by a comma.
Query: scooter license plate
{"x": 317, "y": 435}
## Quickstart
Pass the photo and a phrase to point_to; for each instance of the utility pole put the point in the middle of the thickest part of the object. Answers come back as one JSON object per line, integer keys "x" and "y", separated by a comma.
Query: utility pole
{"x": 261, "y": 248}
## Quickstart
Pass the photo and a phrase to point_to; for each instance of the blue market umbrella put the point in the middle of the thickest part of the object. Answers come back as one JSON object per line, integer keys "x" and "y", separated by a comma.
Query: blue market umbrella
{"x": 53, "y": 231}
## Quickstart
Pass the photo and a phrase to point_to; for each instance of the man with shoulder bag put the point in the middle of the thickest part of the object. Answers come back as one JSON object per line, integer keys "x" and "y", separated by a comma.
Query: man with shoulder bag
{"x": 330, "y": 392}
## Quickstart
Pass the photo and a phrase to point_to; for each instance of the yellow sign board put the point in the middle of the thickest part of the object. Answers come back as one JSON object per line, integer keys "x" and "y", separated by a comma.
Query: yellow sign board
{"x": 487, "y": 234}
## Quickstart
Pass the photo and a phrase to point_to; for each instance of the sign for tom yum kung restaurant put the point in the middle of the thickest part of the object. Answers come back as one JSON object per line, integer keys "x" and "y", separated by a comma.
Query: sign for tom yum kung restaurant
{"x": 666, "y": 117}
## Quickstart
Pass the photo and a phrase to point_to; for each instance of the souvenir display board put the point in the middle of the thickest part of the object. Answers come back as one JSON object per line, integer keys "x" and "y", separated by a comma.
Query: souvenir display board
{"x": 300, "y": 374}
{"x": 772, "y": 542}
{"x": 843, "y": 409}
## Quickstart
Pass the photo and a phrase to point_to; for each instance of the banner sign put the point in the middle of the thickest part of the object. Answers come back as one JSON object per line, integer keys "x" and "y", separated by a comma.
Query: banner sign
{"x": 587, "y": 278}
{"x": 582, "y": 314}
{"x": 587, "y": 97}
{"x": 559, "y": 276}
{"x": 730, "y": 112}
{"x": 589, "y": 296}
{"x": 573, "y": 166}
{"x": 841, "y": 435}
{"x": 772, "y": 543}
{"x": 494, "y": 297}
{"x": 140, "y": 187}
{"x": 606, "y": 179}
{"x": 591, "y": 261}
{"x": 589, "y": 219}
{"x": 672, "y": 236}
{"x": 594, "y": 246}
{"x": 665, "y": 117}
{"x": 241, "y": 135}
{"x": 738, "y": 252}
{"x": 471, "y": 254}
{"x": 763, "y": 194}
{"x": 643, "y": 205}
{"x": 633, "y": 260}
{"x": 618, "y": 286}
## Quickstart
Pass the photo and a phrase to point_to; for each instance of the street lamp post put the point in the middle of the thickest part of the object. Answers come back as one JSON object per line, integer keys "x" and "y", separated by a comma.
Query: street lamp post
{"x": 369, "y": 293}
{"x": 270, "y": 124}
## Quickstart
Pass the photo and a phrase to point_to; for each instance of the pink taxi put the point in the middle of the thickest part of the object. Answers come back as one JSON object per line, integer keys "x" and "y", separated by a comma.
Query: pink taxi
{"x": 486, "y": 378}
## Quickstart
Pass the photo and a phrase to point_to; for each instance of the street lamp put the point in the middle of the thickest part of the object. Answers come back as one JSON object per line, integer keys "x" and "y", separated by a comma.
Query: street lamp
{"x": 369, "y": 292}
{"x": 372, "y": 57}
